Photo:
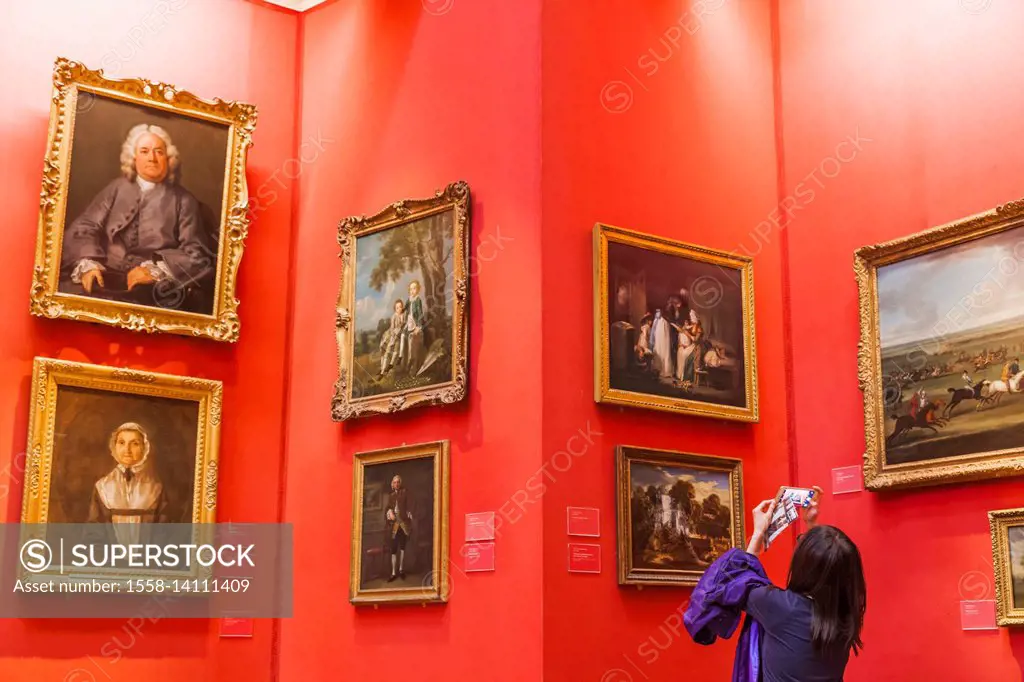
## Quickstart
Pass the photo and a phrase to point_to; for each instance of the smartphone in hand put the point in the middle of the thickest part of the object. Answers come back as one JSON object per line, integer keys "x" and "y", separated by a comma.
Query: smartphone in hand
{"x": 787, "y": 501}
{"x": 801, "y": 497}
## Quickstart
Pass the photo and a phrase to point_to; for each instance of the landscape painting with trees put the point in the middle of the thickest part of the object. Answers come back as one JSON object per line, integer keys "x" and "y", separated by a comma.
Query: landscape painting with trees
{"x": 677, "y": 514}
{"x": 1006, "y": 528}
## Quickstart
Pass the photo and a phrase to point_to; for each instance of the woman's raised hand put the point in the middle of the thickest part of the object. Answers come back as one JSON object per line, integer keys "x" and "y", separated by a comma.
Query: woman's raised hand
{"x": 763, "y": 516}
{"x": 810, "y": 512}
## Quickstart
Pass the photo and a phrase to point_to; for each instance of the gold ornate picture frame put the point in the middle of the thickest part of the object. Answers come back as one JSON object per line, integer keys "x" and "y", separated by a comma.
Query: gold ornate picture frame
{"x": 1007, "y": 530}
{"x": 673, "y": 326}
{"x": 402, "y": 313}
{"x": 675, "y": 514}
{"x": 400, "y": 549}
{"x": 939, "y": 353}
{"x": 79, "y": 414}
{"x": 167, "y": 248}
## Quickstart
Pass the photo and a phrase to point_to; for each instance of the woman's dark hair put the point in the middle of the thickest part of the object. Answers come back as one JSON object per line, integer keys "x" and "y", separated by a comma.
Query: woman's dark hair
{"x": 826, "y": 567}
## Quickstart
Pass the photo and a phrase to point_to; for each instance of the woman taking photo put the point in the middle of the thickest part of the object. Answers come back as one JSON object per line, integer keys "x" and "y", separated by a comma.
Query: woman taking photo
{"x": 803, "y": 633}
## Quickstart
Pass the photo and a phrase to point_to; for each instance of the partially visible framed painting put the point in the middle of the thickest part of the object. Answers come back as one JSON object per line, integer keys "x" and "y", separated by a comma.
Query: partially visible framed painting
{"x": 143, "y": 212}
{"x": 373, "y": 497}
{"x": 676, "y": 514}
{"x": 673, "y": 326}
{"x": 402, "y": 308}
{"x": 120, "y": 449}
{"x": 940, "y": 352}
{"x": 400, "y": 525}
{"x": 1007, "y": 529}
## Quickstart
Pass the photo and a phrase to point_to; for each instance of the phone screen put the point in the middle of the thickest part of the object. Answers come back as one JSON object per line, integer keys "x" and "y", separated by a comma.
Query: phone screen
{"x": 787, "y": 501}
{"x": 800, "y": 497}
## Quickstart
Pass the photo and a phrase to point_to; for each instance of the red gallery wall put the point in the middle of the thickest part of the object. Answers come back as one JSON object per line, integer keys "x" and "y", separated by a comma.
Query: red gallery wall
{"x": 415, "y": 95}
{"x": 692, "y": 120}
{"x": 657, "y": 116}
{"x": 215, "y": 48}
{"x": 927, "y": 86}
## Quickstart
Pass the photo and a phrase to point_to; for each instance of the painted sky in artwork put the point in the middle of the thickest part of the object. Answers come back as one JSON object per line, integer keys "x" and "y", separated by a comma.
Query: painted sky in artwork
{"x": 704, "y": 482}
{"x": 964, "y": 287}
{"x": 373, "y": 305}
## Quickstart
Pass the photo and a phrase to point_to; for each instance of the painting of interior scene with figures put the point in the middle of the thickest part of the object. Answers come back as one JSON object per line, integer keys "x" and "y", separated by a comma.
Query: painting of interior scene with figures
{"x": 675, "y": 325}
{"x": 680, "y": 516}
{"x": 404, "y": 305}
{"x": 951, "y": 326}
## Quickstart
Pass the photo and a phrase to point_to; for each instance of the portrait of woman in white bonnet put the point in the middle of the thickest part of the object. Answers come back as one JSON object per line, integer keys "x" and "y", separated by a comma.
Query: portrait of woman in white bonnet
{"x": 131, "y": 493}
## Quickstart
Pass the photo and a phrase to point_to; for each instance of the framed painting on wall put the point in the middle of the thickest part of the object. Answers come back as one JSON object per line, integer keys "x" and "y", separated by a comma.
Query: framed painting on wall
{"x": 143, "y": 212}
{"x": 941, "y": 342}
{"x": 402, "y": 308}
{"x": 400, "y": 547}
{"x": 676, "y": 513}
{"x": 673, "y": 326}
{"x": 1007, "y": 529}
{"x": 120, "y": 450}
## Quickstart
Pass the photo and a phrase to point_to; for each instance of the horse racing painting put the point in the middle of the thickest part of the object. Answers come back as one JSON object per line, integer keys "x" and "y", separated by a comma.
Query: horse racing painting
{"x": 942, "y": 337}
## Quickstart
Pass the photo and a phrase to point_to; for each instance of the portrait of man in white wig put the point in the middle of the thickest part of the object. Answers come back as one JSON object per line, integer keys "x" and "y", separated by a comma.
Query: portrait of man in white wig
{"x": 142, "y": 239}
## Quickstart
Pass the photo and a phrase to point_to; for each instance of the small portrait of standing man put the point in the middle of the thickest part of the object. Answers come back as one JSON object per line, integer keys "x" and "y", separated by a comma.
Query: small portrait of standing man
{"x": 399, "y": 518}
{"x": 400, "y": 525}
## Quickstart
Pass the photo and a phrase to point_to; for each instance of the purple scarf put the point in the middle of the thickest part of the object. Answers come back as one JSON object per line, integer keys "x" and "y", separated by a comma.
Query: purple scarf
{"x": 717, "y": 604}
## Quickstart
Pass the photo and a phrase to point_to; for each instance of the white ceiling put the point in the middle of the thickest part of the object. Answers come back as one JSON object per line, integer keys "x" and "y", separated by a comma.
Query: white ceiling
{"x": 297, "y": 5}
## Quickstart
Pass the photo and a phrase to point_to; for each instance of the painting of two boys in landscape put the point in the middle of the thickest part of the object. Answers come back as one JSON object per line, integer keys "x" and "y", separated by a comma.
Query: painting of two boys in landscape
{"x": 402, "y": 315}
{"x": 403, "y": 309}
